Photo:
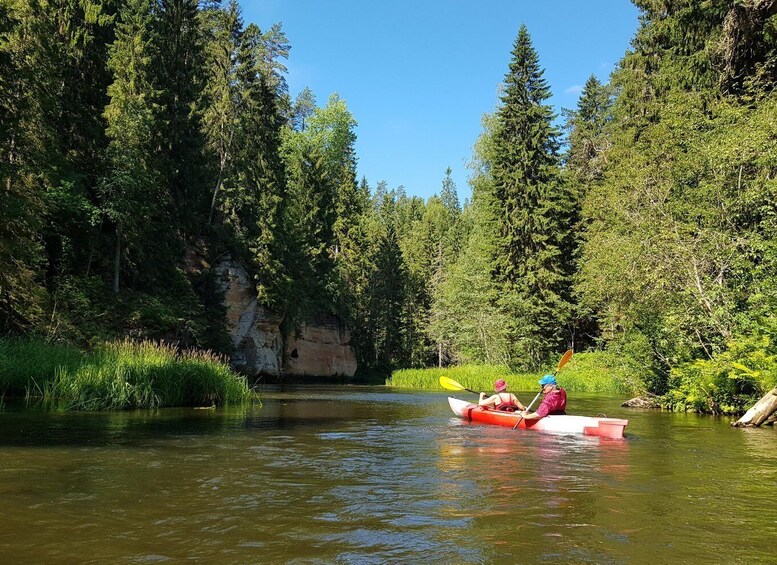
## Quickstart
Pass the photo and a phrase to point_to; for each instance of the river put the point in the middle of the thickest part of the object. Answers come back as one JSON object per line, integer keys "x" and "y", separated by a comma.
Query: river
{"x": 347, "y": 474}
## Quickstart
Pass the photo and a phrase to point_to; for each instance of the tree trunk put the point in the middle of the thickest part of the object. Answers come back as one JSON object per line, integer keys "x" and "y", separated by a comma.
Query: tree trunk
{"x": 117, "y": 262}
{"x": 222, "y": 166}
{"x": 743, "y": 45}
{"x": 759, "y": 413}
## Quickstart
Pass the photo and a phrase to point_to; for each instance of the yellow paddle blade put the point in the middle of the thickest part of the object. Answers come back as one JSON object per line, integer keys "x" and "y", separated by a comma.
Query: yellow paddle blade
{"x": 450, "y": 384}
{"x": 564, "y": 359}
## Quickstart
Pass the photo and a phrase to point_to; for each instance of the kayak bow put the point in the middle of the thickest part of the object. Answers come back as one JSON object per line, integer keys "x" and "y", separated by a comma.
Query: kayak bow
{"x": 601, "y": 427}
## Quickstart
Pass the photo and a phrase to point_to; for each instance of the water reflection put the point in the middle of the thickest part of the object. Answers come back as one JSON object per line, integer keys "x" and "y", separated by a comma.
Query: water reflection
{"x": 369, "y": 475}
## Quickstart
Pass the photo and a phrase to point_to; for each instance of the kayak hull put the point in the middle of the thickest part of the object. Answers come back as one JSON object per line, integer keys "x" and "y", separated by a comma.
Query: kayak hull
{"x": 600, "y": 427}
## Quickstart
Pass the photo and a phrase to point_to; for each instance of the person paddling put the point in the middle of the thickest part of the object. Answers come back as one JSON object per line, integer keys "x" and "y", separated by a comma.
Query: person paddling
{"x": 554, "y": 401}
{"x": 502, "y": 400}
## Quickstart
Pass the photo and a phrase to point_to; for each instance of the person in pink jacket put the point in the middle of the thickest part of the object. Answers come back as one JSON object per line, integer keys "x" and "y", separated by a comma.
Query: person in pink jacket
{"x": 554, "y": 400}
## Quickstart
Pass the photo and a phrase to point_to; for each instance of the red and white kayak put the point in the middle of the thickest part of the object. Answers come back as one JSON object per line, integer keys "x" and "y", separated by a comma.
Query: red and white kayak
{"x": 586, "y": 425}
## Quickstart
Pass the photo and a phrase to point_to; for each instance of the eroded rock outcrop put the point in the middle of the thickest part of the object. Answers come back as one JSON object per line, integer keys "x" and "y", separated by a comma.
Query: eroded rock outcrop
{"x": 321, "y": 349}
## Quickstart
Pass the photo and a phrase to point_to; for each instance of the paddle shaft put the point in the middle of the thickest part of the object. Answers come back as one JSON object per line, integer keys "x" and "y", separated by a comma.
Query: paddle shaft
{"x": 566, "y": 357}
{"x": 528, "y": 408}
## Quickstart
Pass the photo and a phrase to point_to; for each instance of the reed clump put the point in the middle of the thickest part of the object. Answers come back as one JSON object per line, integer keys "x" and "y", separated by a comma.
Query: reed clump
{"x": 118, "y": 375}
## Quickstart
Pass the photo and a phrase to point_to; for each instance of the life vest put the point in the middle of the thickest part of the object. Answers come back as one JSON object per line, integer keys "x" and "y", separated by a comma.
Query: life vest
{"x": 508, "y": 406}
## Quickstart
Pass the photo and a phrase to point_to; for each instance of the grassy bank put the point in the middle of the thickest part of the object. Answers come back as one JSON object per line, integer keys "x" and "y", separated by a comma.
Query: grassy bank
{"x": 117, "y": 375}
{"x": 585, "y": 372}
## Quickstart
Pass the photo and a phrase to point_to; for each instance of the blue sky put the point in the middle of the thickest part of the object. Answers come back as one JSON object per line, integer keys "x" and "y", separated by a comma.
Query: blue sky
{"x": 418, "y": 75}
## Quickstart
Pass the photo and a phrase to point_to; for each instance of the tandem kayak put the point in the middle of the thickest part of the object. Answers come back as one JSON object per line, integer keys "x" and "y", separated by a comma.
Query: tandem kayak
{"x": 586, "y": 425}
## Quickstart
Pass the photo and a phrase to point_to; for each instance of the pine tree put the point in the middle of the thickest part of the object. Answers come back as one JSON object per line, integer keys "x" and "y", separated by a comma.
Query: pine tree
{"x": 535, "y": 256}
{"x": 303, "y": 108}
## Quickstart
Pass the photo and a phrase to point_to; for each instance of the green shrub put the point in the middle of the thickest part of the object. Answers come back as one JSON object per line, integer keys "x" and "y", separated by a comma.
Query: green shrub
{"x": 730, "y": 381}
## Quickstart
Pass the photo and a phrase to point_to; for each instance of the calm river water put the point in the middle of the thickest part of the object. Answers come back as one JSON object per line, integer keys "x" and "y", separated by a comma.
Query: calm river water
{"x": 371, "y": 475}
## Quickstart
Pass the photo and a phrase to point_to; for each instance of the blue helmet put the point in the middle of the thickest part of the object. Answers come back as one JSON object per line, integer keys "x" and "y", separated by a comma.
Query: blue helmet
{"x": 547, "y": 380}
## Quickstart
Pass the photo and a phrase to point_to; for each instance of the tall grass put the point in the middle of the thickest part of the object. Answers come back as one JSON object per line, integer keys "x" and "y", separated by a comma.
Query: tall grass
{"x": 118, "y": 375}
{"x": 27, "y": 365}
{"x": 585, "y": 372}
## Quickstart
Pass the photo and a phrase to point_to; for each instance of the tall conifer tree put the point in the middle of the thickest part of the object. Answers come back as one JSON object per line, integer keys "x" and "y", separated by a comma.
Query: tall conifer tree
{"x": 535, "y": 264}
{"x": 180, "y": 72}
{"x": 254, "y": 204}
{"x": 220, "y": 116}
{"x": 131, "y": 195}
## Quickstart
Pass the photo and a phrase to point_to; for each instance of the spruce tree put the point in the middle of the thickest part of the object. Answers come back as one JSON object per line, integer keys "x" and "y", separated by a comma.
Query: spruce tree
{"x": 587, "y": 139}
{"x": 253, "y": 205}
{"x": 220, "y": 116}
{"x": 131, "y": 195}
{"x": 179, "y": 77}
{"x": 535, "y": 264}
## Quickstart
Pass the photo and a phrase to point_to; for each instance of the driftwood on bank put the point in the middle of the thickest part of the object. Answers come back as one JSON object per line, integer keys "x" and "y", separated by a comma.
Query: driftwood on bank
{"x": 646, "y": 401}
{"x": 760, "y": 412}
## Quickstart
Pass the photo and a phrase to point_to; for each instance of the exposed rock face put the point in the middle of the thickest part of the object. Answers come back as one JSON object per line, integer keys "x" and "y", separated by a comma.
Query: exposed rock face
{"x": 320, "y": 350}
{"x": 316, "y": 350}
{"x": 256, "y": 337}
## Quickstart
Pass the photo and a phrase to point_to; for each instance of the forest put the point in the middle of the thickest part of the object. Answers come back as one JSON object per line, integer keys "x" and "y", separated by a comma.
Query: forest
{"x": 143, "y": 139}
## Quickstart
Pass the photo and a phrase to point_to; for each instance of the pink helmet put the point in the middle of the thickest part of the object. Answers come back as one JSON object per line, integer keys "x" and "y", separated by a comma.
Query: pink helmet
{"x": 500, "y": 385}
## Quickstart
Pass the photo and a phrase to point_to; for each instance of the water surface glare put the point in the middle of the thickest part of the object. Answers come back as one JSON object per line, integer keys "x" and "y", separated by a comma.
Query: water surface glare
{"x": 371, "y": 475}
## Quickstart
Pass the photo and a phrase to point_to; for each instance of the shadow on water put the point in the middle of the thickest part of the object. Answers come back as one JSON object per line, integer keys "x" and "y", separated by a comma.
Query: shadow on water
{"x": 286, "y": 406}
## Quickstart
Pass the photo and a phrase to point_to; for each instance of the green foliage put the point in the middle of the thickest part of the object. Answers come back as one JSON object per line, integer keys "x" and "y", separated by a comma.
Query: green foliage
{"x": 141, "y": 141}
{"x": 86, "y": 312}
{"x": 179, "y": 64}
{"x": 600, "y": 372}
{"x": 131, "y": 195}
{"x": 474, "y": 377}
{"x": 679, "y": 217}
{"x": 604, "y": 371}
{"x": 731, "y": 380}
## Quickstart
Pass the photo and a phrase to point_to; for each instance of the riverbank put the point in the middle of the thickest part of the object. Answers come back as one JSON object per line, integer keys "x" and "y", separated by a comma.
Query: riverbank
{"x": 586, "y": 372}
{"x": 117, "y": 375}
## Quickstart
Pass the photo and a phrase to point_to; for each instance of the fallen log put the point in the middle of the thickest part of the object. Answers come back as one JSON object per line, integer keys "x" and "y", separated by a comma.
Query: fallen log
{"x": 760, "y": 412}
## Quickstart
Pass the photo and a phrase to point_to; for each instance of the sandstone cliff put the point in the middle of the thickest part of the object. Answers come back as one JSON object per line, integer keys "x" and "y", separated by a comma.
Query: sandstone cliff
{"x": 321, "y": 349}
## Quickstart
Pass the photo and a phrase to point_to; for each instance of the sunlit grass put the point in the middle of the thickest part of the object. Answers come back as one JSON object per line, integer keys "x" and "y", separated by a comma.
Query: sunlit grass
{"x": 117, "y": 375}
{"x": 585, "y": 372}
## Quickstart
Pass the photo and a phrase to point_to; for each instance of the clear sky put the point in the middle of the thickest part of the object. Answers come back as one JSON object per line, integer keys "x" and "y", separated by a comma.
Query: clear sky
{"x": 418, "y": 75}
